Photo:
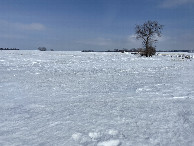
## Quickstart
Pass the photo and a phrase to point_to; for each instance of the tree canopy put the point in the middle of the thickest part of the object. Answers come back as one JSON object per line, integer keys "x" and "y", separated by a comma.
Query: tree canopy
{"x": 148, "y": 33}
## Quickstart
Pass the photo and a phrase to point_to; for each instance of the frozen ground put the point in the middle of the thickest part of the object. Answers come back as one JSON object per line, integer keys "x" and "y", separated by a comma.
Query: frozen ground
{"x": 95, "y": 99}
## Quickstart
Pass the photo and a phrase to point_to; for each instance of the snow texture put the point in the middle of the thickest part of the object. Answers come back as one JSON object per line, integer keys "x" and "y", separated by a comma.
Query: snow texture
{"x": 109, "y": 143}
{"x": 95, "y": 99}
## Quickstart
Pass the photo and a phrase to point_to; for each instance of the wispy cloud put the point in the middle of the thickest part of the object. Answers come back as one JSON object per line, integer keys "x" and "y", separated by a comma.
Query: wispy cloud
{"x": 12, "y": 36}
{"x": 168, "y": 42}
{"x": 22, "y": 26}
{"x": 32, "y": 26}
{"x": 174, "y": 3}
{"x": 129, "y": 42}
{"x": 132, "y": 39}
{"x": 104, "y": 42}
{"x": 175, "y": 42}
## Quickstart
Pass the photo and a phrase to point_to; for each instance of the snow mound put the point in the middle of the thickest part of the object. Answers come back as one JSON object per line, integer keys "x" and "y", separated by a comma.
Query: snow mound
{"x": 94, "y": 135}
{"x": 109, "y": 143}
{"x": 109, "y": 137}
{"x": 113, "y": 132}
{"x": 81, "y": 139}
{"x": 77, "y": 136}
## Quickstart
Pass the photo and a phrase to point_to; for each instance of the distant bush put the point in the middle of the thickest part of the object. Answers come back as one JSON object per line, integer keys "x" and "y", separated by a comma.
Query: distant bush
{"x": 42, "y": 48}
{"x": 147, "y": 52}
{"x": 88, "y": 51}
{"x": 150, "y": 51}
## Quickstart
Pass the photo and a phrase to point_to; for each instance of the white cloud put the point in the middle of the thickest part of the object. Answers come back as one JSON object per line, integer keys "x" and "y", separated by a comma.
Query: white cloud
{"x": 175, "y": 3}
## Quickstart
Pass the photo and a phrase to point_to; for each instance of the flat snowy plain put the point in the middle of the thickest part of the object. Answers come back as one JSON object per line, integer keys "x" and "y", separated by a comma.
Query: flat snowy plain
{"x": 95, "y": 99}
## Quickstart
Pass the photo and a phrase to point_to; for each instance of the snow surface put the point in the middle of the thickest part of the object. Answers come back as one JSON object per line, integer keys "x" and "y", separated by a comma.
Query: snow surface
{"x": 109, "y": 143}
{"x": 95, "y": 99}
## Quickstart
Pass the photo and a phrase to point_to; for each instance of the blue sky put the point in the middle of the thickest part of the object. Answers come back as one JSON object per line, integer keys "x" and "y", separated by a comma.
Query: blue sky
{"x": 93, "y": 24}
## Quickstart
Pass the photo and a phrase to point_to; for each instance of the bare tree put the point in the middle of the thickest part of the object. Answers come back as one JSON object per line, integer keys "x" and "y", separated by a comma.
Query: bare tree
{"x": 148, "y": 33}
{"x": 42, "y": 48}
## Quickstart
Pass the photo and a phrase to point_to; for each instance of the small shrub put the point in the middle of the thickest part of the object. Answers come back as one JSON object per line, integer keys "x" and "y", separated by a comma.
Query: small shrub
{"x": 42, "y": 48}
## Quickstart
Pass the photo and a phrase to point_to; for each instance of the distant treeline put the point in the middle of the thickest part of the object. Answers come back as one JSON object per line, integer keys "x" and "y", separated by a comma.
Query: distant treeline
{"x": 115, "y": 50}
{"x": 9, "y": 49}
{"x": 137, "y": 50}
{"x": 190, "y": 51}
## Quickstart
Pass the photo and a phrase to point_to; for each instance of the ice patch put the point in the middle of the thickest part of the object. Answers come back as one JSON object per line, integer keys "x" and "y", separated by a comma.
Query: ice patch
{"x": 139, "y": 90}
{"x": 180, "y": 97}
{"x": 34, "y": 62}
{"x": 110, "y": 143}
{"x": 144, "y": 89}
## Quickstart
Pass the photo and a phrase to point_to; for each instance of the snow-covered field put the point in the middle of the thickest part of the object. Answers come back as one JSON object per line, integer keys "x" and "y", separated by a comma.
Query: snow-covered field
{"x": 95, "y": 99}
